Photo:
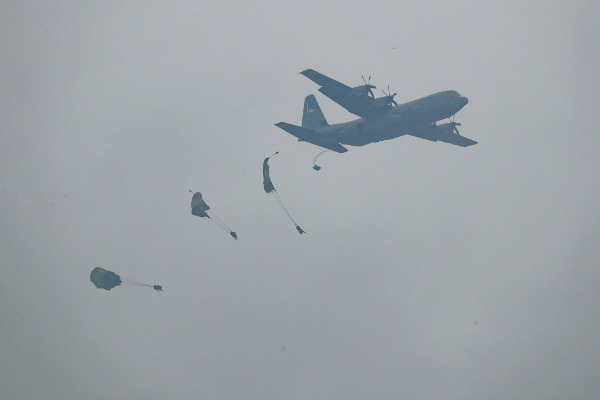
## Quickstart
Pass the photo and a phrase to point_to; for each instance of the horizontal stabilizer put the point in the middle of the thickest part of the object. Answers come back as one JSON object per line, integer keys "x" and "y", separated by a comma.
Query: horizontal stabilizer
{"x": 307, "y": 135}
{"x": 444, "y": 133}
{"x": 458, "y": 140}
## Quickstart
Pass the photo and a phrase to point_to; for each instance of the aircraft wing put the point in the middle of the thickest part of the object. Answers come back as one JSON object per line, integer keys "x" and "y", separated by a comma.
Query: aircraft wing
{"x": 341, "y": 94}
{"x": 325, "y": 81}
{"x": 307, "y": 135}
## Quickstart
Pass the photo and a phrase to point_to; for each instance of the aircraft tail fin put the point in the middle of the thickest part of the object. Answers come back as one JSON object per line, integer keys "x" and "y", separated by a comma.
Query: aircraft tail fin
{"x": 312, "y": 117}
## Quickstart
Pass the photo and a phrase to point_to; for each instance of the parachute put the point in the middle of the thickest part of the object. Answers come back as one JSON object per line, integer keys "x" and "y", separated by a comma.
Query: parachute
{"x": 107, "y": 280}
{"x": 270, "y": 189}
{"x": 315, "y": 166}
{"x": 201, "y": 209}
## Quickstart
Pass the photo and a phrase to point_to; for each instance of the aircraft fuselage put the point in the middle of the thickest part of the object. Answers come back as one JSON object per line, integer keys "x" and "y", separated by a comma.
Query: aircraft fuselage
{"x": 392, "y": 122}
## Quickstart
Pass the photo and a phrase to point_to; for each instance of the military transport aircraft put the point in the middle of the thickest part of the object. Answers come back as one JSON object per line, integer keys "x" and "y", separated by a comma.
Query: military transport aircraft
{"x": 381, "y": 118}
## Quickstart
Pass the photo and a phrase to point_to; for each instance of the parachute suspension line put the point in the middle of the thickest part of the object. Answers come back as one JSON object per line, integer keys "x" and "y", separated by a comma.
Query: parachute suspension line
{"x": 278, "y": 199}
{"x": 315, "y": 166}
{"x": 131, "y": 282}
{"x": 217, "y": 223}
{"x": 213, "y": 215}
{"x": 318, "y": 155}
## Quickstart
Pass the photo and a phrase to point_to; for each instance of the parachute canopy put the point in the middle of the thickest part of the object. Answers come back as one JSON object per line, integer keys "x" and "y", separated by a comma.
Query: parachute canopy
{"x": 104, "y": 279}
{"x": 267, "y": 184}
{"x": 199, "y": 207}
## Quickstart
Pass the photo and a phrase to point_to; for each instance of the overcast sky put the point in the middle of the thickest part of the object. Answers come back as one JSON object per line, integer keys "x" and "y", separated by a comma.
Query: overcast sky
{"x": 428, "y": 271}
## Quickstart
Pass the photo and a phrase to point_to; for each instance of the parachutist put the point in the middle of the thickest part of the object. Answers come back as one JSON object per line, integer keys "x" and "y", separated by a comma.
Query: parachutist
{"x": 300, "y": 231}
{"x": 158, "y": 288}
{"x": 316, "y": 167}
{"x": 233, "y": 234}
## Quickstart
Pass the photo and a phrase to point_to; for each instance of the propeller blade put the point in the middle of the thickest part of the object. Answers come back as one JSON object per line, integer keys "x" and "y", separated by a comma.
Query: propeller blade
{"x": 368, "y": 86}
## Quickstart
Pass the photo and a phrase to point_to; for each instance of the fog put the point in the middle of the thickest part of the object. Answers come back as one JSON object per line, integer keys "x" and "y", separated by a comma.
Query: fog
{"x": 427, "y": 270}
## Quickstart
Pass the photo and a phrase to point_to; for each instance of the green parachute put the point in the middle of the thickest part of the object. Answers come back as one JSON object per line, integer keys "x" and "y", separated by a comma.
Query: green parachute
{"x": 270, "y": 189}
{"x": 104, "y": 279}
{"x": 201, "y": 209}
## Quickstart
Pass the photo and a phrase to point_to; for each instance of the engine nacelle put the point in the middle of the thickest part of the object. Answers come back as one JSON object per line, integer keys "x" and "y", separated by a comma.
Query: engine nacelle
{"x": 363, "y": 90}
{"x": 384, "y": 102}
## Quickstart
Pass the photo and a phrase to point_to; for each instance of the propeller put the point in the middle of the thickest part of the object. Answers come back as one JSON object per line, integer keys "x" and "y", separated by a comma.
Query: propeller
{"x": 368, "y": 85}
{"x": 390, "y": 97}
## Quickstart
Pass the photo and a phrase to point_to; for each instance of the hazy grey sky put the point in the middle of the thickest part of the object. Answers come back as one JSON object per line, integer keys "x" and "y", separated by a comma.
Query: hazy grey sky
{"x": 428, "y": 271}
